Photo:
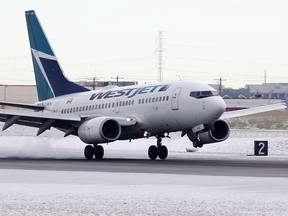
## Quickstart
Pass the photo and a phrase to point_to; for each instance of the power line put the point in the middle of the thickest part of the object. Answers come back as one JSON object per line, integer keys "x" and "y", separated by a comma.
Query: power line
{"x": 227, "y": 61}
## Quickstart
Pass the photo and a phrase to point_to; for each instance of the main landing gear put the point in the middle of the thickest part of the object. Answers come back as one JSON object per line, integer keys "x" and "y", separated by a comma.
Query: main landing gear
{"x": 95, "y": 150}
{"x": 160, "y": 150}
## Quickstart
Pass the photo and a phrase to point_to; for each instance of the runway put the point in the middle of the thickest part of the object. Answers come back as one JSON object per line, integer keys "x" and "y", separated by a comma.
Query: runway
{"x": 215, "y": 166}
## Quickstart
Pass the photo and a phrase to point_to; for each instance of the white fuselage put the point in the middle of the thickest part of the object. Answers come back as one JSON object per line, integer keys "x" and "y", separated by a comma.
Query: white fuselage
{"x": 159, "y": 107}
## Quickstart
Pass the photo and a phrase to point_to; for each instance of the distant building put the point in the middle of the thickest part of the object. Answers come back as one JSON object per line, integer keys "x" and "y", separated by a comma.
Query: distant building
{"x": 18, "y": 93}
{"x": 268, "y": 90}
{"x": 241, "y": 93}
{"x": 101, "y": 84}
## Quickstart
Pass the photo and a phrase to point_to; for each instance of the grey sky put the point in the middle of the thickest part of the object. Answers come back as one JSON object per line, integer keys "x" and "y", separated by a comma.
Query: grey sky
{"x": 204, "y": 39}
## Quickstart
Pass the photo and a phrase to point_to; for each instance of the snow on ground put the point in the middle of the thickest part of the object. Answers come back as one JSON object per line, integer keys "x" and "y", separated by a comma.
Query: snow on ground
{"x": 36, "y": 192}
{"x": 20, "y": 141}
{"x": 90, "y": 193}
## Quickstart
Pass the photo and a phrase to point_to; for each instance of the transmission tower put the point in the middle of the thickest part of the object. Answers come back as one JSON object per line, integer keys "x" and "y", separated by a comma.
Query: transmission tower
{"x": 160, "y": 51}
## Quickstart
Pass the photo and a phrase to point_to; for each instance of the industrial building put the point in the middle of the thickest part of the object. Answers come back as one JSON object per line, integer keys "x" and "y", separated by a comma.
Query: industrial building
{"x": 256, "y": 91}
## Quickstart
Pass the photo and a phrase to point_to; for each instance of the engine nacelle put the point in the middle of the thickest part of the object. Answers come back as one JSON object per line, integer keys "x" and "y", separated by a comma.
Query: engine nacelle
{"x": 99, "y": 130}
{"x": 219, "y": 132}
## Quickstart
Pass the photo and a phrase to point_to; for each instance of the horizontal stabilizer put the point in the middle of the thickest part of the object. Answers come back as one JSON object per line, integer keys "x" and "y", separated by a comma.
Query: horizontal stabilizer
{"x": 22, "y": 105}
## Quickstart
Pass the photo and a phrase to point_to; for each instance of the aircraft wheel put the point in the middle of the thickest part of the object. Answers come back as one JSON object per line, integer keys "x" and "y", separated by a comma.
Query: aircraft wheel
{"x": 152, "y": 152}
{"x": 99, "y": 152}
{"x": 197, "y": 144}
{"x": 88, "y": 152}
{"x": 162, "y": 152}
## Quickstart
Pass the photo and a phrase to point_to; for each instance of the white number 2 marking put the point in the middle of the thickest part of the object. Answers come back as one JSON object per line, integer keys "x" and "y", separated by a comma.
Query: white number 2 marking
{"x": 261, "y": 150}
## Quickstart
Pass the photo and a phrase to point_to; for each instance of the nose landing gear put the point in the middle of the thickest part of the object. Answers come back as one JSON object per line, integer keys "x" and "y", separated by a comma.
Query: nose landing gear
{"x": 160, "y": 150}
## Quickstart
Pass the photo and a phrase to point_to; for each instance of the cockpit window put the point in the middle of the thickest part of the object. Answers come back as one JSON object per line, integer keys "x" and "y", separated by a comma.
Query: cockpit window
{"x": 203, "y": 94}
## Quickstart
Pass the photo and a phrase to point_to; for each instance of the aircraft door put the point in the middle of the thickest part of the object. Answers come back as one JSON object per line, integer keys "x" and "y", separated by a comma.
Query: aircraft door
{"x": 175, "y": 99}
{"x": 116, "y": 108}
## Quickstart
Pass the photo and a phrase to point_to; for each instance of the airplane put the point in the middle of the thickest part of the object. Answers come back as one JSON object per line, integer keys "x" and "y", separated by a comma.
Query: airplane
{"x": 120, "y": 113}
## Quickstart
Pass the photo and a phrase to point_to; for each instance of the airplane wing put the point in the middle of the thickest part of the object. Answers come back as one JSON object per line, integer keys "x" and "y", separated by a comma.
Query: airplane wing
{"x": 41, "y": 120}
{"x": 251, "y": 111}
{"x": 68, "y": 123}
{"x": 22, "y": 105}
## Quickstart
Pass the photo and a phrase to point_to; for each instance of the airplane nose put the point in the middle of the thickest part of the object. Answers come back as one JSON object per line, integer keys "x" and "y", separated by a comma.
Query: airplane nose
{"x": 219, "y": 107}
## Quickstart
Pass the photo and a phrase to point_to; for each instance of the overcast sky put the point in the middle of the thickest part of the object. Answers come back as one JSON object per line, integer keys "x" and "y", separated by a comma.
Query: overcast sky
{"x": 203, "y": 40}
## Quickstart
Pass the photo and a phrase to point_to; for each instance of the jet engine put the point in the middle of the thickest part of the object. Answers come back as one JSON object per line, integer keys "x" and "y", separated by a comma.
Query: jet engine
{"x": 99, "y": 130}
{"x": 217, "y": 132}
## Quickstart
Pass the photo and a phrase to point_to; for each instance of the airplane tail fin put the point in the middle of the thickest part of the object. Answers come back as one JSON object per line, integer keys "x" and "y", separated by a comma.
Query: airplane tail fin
{"x": 50, "y": 79}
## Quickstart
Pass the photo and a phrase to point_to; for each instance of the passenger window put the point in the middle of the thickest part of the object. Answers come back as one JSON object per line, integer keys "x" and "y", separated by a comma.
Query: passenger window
{"x": 149, "y": 100}
{"x": 139, "y": 101}
{"x": 152, "y": 100}
{"x": 156, "y": 99}
{"x": 143, "y": 100}
{"x": 160, "y": 99}
{"x": 112, "y": 104}
{"x": 102, "y": 106}
{"x": 167, "y": 98}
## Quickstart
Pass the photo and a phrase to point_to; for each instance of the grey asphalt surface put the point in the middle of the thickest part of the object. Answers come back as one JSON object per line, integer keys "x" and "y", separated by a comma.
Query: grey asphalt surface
{"x": 254, "y": 167}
